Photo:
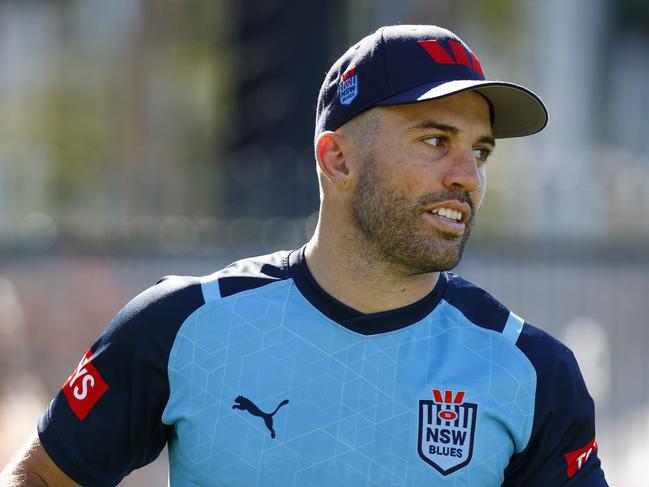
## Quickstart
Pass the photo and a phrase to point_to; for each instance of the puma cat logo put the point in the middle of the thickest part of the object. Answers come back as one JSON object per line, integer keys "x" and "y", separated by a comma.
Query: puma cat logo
{"x": 246, "y": 404}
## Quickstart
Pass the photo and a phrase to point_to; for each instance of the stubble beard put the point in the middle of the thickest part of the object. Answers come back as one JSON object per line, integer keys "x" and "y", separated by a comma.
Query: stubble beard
{"x": 392, "y": 226}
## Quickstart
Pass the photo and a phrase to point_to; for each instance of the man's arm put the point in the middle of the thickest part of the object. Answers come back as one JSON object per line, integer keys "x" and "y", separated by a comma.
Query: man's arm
{"x": 562, "y": 450}
{"x": 33, "y": 467}
{"x": 106, "y": 420}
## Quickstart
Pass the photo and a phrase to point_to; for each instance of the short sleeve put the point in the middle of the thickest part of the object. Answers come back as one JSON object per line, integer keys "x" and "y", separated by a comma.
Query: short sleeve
{"x": 106, "y": 420}
{"x": 562, "y": 450}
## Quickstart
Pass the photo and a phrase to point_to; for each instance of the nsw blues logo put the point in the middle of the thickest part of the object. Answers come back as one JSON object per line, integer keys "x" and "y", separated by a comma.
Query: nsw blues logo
{"x": 348, "y": 86}
{"x": 446, "y": 431}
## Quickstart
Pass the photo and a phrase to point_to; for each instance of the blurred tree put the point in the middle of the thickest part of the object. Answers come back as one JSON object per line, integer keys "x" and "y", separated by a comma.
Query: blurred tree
{"x": 128, "y": 111}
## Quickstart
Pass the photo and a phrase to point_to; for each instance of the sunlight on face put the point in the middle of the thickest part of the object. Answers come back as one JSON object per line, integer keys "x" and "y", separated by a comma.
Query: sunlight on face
{"x": 424, "y": 157}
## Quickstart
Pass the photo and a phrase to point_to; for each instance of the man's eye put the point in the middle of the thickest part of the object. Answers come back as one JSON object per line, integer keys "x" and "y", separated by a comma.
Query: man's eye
{"x": 481, "y": 154}
{"x": 434, "y": 141}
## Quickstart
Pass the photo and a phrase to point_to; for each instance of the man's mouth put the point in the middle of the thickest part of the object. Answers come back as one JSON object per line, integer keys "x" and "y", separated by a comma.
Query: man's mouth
{"x": 449, "y": 219}
{"x": 448, "y": 213}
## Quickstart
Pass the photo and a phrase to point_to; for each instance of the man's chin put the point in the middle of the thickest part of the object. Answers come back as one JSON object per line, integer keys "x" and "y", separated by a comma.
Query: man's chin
{"x": 446, "y": 257}
{"x": 433, "y": 260}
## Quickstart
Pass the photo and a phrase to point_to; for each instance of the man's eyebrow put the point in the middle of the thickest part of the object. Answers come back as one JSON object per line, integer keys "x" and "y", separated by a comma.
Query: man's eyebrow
{"x": 429, "y": 124}
{"x": 488, "y": 139}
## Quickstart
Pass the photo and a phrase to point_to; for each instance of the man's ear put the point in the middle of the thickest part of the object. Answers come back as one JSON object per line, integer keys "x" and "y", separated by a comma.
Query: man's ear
{"x": 331, "y": 156}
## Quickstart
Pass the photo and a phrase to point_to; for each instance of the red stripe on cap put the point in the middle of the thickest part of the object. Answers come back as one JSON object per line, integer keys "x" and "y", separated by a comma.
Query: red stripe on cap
{"x": 437, "y": 52}
{"x": 477, "y": 67}
{"x": 448, "y": 396}
{"x": 459, "y": 397}
{"x": 459, "y": 53}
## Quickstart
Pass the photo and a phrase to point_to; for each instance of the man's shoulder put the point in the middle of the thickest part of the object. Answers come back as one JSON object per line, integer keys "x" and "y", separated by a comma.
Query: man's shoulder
{"x": 177, "y": 296}
{"x": 242, "y": 274}
{"x": 246, "y": 274}
{"x": 548, "y": 354}
{"x": 161, "y": 310}
{"x": 482, "y": 308}
{"x": 476, "y": 304}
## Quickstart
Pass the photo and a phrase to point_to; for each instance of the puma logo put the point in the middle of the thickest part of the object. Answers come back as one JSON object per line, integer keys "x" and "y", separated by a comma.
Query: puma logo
{"x": 246, "y": 404}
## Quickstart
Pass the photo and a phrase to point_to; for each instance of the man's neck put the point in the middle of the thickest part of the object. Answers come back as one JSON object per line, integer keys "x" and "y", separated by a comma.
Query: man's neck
{"x": 363, "y": 282}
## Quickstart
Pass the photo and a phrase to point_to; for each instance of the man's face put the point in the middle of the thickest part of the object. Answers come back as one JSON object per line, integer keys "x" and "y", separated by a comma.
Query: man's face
{"x": 422, "y": 180}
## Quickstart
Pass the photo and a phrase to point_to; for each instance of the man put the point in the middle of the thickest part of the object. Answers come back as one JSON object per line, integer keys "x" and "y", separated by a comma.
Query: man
{"x": 357, "y": 359}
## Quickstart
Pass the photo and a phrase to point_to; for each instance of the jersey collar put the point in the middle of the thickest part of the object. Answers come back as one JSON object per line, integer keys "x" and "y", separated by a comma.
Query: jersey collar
{"x": 365, "y": 324}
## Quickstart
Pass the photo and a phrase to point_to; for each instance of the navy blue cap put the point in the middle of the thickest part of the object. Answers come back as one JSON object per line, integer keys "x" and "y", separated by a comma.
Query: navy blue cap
{"x": 401, "y": 64}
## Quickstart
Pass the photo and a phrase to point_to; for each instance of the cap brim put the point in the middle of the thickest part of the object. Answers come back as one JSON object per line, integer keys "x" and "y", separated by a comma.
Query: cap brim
{"x": 517, "y": 110}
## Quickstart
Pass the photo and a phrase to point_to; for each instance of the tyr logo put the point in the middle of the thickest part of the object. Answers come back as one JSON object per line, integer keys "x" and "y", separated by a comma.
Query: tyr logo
{"x": 576, "y": 459}
{"x": 84, "y": 387}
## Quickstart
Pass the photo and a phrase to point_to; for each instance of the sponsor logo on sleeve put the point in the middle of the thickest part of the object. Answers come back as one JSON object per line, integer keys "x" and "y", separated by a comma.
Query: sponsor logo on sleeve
{"x": 577, "y": 458}
{"x": 84, "y": 387}
{"x": 446, "y": 430}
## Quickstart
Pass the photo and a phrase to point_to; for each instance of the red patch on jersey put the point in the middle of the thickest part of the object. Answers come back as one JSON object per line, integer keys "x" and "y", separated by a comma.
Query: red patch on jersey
{"x": 84, "y": 387}
{"x": 577, "y": 458}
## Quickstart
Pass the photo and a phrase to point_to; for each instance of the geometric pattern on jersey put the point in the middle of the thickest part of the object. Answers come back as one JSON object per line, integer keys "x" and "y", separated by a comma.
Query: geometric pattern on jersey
{"x": 255, "y": 376}
{"x": 352, "y": 419}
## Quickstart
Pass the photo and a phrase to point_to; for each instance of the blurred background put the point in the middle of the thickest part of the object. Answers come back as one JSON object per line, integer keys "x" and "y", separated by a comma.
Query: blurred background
{"x": 140, "y": 138}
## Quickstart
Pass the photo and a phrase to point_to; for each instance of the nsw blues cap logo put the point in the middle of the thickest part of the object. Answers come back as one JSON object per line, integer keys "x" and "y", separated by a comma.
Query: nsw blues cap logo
{"x": 348, "y": 86}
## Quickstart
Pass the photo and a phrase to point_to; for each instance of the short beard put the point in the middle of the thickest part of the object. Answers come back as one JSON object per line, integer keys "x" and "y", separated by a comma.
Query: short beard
{"x": 391, "y": 223}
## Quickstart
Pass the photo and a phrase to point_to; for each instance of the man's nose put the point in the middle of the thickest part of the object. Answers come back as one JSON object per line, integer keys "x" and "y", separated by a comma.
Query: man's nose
{"x": 463, "y": 171}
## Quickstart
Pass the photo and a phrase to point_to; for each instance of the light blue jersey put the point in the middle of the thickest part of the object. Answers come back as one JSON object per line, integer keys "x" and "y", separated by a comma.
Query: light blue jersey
{"x": 254, "y": 376}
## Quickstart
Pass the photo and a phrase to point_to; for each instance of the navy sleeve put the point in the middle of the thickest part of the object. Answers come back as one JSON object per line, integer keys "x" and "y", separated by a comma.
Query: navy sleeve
{"x": 106, "y": 420}
{"x": 562, "y": 450}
